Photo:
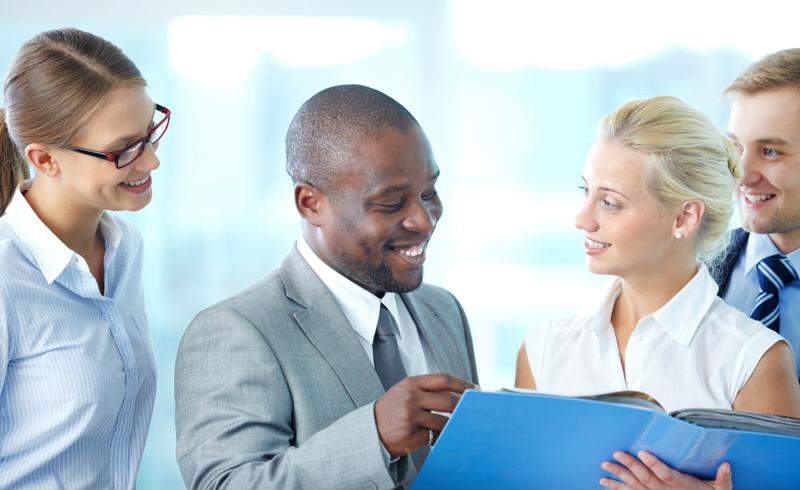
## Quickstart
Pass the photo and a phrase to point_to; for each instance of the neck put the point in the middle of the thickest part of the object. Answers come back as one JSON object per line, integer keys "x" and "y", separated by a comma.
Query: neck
{"x": 644, "y": 294}
{"x": 315, "y": 240}
{"x": 76, "y": 227}
{"x": 786, "y": 242}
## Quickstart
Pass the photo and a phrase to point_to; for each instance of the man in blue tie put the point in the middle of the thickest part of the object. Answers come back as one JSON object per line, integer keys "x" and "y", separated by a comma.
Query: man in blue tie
{"x": 760, "y": 272}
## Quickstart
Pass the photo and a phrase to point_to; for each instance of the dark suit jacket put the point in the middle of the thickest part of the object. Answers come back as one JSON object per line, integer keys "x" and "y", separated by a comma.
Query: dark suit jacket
{"x": 722, "y": 274}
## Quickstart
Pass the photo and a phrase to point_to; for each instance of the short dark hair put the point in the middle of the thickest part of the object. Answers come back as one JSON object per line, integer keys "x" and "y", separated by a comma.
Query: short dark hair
{"x": 328, "y": 127}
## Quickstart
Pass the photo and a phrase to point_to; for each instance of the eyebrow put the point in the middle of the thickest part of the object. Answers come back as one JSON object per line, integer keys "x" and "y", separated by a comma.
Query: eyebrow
{"x": 129, "y": 137}
{"x": 119, "y": 142}
{"x": 763, "y": 141}
{"x": 772, "y": 141}
{"x": 392, "y": 189}
{"x": 402, "y": 188}
{"x": 607, "y": 189}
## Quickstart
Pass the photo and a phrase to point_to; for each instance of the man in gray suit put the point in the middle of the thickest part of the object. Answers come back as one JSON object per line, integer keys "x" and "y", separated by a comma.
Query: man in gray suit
{"x": 319, "y": 376}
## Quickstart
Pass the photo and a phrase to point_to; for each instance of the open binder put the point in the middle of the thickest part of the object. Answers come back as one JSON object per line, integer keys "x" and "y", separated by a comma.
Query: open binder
{"x": 509, "y": 440}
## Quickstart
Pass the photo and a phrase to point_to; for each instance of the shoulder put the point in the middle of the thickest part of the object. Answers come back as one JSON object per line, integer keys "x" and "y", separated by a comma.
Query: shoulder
{"x": 9, "y": 248}
{"x": 260, "y": 304}
{"x": 437, "y": 301}
{"x": 733, "y": 335}
{"x": 536, "y": 335}
{"x": 17, "y": 265}
{"x": 267, "y": 293}
{"x": 435, "y": 296}
{"x": 726, "y": 321}
{"x": 10, "y": 263}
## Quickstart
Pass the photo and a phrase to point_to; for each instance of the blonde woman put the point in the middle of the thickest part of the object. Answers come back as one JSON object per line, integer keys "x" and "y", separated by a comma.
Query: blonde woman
{"x": 658, "y": 185}
{"x": 77, "y": 374}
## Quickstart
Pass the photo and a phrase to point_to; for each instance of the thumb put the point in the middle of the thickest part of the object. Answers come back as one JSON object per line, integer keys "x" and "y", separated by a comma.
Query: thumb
{"x": 724, "y": 480}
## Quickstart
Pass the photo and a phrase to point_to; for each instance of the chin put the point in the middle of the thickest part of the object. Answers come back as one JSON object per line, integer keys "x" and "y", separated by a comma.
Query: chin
{"x": 754, "y": 225}
{"x": 598, "y": 269}
{"x": 137, "y": 204}
{"x": 403, "y": 285}
{"x": 137, "y": 207}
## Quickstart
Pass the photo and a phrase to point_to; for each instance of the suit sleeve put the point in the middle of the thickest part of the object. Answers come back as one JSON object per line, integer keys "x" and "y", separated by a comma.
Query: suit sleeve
{"x": 234, "y": 418}
{"x": 473, "y": 368}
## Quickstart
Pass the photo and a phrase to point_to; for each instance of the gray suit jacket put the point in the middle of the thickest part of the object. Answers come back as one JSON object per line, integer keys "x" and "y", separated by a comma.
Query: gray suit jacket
{"x": 274, "y": 390}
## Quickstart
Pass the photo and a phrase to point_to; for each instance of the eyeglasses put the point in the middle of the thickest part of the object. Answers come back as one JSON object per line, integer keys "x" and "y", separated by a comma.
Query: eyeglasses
{"x": 130, "y": 153}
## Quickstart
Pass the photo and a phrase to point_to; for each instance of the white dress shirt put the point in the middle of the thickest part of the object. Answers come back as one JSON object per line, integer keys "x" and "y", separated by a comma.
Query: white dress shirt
{"x": 77, "y": 371}
{"x": 362, "y": 308}
{"x": 743, "y": 289}
{"x": 694, "y": 352}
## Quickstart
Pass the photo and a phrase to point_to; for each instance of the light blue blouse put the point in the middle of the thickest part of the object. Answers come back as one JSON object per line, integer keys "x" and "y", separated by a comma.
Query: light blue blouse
{"x": 77, "y": 370}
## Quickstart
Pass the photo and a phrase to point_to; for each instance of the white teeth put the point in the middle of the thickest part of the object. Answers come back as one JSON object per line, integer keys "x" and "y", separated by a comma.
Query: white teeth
{"x": 414, "y": 251}
{"x": 594, "y": 244}
{"x": 134, "y": 183}
{"x": 757, "y": 197}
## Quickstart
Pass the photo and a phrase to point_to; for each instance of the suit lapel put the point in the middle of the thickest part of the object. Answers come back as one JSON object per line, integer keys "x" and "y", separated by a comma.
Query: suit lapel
{"x": 438, "y": 336}
{"x": 325, "y": 325}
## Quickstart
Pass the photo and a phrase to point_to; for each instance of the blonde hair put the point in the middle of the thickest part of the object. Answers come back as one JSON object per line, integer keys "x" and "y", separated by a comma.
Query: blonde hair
{"x": 686, "y": 159}
{"x": 56, "y": 81}
{"x": 778, "y": 70}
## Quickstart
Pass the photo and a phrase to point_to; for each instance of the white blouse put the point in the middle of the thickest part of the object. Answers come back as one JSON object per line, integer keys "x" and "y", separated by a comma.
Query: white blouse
{"x": 694, "y": 352}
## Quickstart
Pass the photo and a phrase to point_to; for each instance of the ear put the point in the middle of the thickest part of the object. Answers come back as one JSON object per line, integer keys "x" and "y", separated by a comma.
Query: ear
{"x": 689, "y": 218}
{"x": 42, "y": 159}
{"x": 310, "y": 202}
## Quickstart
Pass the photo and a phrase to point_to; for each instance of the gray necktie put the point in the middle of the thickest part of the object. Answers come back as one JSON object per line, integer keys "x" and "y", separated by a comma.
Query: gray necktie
{"x": 385, "y": 352}
{"x": 389, "y": 365}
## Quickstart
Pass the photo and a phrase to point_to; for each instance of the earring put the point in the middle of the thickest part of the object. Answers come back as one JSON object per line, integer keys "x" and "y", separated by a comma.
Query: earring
{"x": 678, "y": 235}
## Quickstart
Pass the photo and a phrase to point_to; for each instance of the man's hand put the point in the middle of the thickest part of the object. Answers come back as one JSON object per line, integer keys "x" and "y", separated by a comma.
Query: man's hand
{"x": 403, "y": 414}
{"x": 649, "y": 472}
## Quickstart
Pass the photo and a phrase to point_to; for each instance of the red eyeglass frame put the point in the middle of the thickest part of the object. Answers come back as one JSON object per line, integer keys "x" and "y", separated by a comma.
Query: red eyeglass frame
{"x": 115, "y": 156}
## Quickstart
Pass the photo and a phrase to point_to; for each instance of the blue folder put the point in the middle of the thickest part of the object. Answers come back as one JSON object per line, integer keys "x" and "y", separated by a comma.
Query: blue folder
{"x": 502, "y": 440}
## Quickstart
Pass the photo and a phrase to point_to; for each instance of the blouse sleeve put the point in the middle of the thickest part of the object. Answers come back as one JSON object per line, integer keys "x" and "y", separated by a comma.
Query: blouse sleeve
{"x": 535, "y": 341}
{"x": 750, "y": 355}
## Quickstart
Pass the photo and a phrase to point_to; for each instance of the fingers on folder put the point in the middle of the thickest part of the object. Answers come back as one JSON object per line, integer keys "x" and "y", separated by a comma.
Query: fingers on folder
{"x": 649, "y": 472}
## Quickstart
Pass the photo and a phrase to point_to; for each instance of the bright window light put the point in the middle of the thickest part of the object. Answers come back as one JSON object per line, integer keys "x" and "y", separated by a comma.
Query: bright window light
{"x": 577, "y": 34}
{"x": 224, "y": 50}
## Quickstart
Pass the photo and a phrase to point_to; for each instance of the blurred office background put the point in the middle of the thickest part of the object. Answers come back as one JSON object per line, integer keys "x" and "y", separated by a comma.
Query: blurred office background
{"x": 508, "y": 91}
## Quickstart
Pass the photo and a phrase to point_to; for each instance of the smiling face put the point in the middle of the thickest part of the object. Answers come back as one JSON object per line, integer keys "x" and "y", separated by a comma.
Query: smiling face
{"x": 377, "y": 223}
{"x": 124, "y": 116}
{"x": 765, "y": 126}
{"x": 627, "y": 232}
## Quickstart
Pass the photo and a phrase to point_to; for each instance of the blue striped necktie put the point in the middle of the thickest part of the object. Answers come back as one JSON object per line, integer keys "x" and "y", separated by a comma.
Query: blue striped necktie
{"x": 774, "y": 272}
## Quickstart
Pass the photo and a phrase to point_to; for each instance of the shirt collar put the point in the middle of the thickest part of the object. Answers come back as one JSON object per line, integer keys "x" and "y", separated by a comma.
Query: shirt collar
{"x": 361, "y": 307}
{"x": 683, "y": 314}
{"x": 110, "y": 230}
{"x": 759, "y": 247}
{"x": 679, "y": 318}
{"x": 50, "y": 253}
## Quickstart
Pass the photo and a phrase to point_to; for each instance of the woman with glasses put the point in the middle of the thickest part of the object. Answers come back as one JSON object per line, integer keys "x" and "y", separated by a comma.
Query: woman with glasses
{"x": 77, "y": 372}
